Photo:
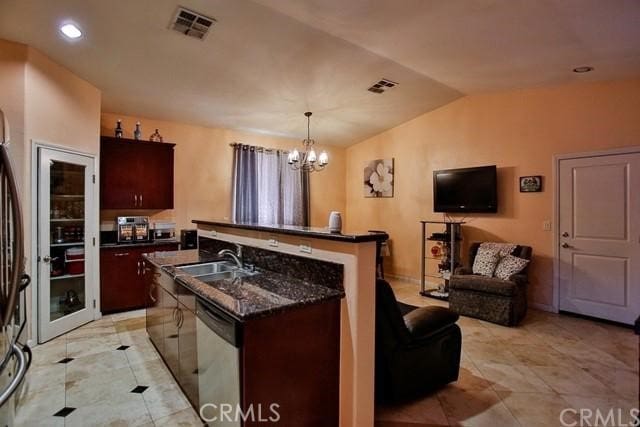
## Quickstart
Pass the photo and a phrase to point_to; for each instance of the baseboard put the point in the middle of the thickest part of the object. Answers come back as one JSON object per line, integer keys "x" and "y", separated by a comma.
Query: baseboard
{"x": 543, "y": 307}
{"x": 403, "y": 278}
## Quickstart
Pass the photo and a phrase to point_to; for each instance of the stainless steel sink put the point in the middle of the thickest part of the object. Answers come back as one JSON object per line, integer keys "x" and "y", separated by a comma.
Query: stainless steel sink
{"x": 212, "y": 271}
{"x": 232, "y": 274}
{"x": 208, "y": 268}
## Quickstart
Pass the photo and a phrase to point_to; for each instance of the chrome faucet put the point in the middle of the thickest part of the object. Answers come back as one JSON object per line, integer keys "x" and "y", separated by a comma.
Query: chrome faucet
{"x": 237, "y": 256}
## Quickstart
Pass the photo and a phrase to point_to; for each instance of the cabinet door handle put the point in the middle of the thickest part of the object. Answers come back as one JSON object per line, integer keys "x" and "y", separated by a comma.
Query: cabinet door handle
{"x": 180, "y": 318}
{"x": 140, "y": 199}
{"x": 151, "y": 290}
{"x": 138, "y": 268}
{"x": 135, "y": 200}
{"x": 122, "y": 254}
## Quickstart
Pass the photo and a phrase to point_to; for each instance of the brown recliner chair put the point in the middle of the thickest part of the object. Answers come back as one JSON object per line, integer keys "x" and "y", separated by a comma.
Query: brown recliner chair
{"x": 490, "y": 298}
{"x": 415, "y": 354}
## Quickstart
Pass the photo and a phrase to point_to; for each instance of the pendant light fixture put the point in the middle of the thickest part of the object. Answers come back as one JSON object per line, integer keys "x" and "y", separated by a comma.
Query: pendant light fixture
{"x": 308, "y": 160}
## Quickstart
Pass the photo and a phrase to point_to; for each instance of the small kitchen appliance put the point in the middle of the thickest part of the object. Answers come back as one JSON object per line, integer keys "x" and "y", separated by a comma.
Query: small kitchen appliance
{"x": 188, "y": 239}
{"x": 133, "y": 229}
{"x": 164, "y": 231}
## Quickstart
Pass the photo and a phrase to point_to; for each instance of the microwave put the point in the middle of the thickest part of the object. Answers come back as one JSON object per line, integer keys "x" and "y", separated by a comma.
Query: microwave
{"x": 133, "y": 229}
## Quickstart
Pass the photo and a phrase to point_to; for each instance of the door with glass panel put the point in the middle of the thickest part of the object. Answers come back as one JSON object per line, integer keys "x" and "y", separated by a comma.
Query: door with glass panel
{"x": 67, "y": 220}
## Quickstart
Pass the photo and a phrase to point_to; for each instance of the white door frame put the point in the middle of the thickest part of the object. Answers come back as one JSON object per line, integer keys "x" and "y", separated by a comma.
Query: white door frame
{"x": 556, "y": 207}
{"x": 94, "y": 253}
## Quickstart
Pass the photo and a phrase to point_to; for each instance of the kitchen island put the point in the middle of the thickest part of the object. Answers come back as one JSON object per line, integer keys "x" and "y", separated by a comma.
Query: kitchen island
{"x": 252, "y": 343}
{"x": 356, "y": 253}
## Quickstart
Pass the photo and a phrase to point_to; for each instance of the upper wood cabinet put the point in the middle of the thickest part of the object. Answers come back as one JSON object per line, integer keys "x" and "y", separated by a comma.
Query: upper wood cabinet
{"x": 135, "y": 174}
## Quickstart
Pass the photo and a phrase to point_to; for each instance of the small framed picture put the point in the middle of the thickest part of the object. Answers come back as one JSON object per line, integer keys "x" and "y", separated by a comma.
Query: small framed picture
{"x": 531, "y": 184}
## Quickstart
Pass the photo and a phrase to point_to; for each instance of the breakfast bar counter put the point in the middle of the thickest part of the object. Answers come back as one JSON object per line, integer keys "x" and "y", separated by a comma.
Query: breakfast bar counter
{"x": 356, "y": 253}
{"x": 263, "y": 293}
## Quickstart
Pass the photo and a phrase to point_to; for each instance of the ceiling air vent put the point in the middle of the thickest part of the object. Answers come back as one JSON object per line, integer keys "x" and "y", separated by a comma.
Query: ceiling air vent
{"x": 191, "y": 23}
{"x": 382, "y": 85}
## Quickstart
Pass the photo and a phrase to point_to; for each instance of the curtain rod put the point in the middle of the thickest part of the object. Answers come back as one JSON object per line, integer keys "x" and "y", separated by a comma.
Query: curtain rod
{"x": 258, "y": 148}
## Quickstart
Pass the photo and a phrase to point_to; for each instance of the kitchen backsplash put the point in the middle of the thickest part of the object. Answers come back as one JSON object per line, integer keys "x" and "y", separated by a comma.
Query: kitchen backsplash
{"x": 324, "y": 273}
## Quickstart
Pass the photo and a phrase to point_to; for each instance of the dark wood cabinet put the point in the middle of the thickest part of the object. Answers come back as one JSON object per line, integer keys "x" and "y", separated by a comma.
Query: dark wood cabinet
{"x": 135, "y": 174}
{"x": 273, "y": 361}
{"x": 122, "y": 276}
{"x": 188, "y": 353}
{"x": 171, "y": 323}
{"x": 155, "y": 310}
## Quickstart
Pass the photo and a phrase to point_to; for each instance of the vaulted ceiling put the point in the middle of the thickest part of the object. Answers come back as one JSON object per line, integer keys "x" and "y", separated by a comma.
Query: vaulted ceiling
{"x": 266, "y": 62}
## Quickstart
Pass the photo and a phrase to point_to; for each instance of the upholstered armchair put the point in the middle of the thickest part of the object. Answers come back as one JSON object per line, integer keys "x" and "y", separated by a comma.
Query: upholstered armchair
{"x": 415, "y": 353}
{"x": 490, "y": 298}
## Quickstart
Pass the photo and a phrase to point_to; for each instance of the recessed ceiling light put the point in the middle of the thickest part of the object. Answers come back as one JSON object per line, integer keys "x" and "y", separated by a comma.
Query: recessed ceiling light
{"x": 584, "y": 69}
{"x": 71, "y": 31}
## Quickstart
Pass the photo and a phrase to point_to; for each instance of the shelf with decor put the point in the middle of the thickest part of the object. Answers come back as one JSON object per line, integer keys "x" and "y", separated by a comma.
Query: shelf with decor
{"x": 446, "y": 251}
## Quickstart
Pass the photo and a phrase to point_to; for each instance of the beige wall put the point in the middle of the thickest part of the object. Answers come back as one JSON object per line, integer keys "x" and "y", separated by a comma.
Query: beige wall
{"x": 13, "y": 57}
{"x": 203, "y": 157}
{"x": 48, "y": 103}
{"x": 60, "y": 109}
{"x": 519, "y": 131}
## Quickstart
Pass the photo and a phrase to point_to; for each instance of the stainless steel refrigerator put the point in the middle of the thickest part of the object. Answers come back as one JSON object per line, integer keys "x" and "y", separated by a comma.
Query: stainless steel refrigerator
{"x": 15, "y": 355}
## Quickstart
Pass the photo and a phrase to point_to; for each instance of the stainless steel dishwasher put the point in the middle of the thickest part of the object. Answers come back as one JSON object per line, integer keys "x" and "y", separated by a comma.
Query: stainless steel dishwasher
{"x": 219, "y": 341}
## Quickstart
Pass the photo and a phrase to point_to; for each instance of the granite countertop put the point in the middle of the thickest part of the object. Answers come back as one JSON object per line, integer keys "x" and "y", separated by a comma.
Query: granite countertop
{"x": 263, "y": 294}
{"x": 129, "y": 245}
{"x": 314, "y": 232}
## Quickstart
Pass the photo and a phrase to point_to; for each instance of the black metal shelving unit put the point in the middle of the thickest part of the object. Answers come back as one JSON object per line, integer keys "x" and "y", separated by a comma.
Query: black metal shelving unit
{"x": 450, "y": 257}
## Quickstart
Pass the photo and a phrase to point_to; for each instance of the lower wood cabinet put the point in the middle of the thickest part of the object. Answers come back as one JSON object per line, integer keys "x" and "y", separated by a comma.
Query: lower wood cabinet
{"x": 188, "y": 353}
{"x": 122, "y": 283}
{"x": 171, "y": 330}
{"x": 291, "y": 359}
{"x": 171, "y": 326}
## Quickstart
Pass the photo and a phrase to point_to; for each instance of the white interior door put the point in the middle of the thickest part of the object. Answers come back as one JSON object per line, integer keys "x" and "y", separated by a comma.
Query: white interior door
{"x": 599, "y": 253}
{"x": 67, "y": 220}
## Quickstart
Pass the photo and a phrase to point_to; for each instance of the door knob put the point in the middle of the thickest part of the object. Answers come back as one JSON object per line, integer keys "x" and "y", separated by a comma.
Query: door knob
{"x": 566, "y": 245}
{"x": 565, "y": 234}
{"x": 46, "y": 258}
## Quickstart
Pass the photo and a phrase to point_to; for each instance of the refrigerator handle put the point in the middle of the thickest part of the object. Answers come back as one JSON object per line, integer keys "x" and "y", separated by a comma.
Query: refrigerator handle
{"x": 20, "y": 373}
{"x": 4, "y": 136}
{"x": 18, "y": 260}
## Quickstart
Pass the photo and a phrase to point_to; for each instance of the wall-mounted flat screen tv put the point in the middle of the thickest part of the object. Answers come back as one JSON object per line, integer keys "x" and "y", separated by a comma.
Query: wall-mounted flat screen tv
{"x": 465, "y": 190}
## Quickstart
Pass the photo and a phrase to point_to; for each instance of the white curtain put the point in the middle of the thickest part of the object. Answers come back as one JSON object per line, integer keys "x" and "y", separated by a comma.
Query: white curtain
{"x": 268, "y": 187}
{"x": 266, "y": 190}
{"x": 291, "y": 194}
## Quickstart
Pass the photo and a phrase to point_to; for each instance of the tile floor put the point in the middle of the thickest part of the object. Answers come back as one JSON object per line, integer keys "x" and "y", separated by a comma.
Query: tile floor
{"x": 104, "y": 373}
{"x": 521, "y": 376}
{"x": 526, "y": 376}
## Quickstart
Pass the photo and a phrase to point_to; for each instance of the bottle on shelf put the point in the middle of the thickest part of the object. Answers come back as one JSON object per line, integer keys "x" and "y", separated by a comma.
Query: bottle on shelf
{"x": 119, "y": 129}
{"x": 137, "y": 133}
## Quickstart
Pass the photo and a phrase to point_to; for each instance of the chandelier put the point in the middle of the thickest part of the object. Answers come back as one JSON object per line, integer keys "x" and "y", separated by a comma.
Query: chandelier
{"x": 308, "y": 160}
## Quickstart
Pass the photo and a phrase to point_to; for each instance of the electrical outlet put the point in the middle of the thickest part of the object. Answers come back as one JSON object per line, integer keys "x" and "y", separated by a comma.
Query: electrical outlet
{"x": 273, "y": 242}
{"x": 546, "y": 225}
{"x": 305, "y": 248}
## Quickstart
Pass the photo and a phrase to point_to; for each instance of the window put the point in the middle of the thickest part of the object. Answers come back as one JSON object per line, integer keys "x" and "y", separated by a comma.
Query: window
{"x": 265, "y": 188}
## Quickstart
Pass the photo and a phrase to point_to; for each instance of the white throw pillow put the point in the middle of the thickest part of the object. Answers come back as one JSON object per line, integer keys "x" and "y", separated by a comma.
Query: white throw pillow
{"x": 510, "y": 265}
{"x": 486, "y": 261}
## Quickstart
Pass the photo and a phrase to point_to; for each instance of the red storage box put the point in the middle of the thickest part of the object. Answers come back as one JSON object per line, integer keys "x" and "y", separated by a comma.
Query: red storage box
{"x": 74, "y": 260}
